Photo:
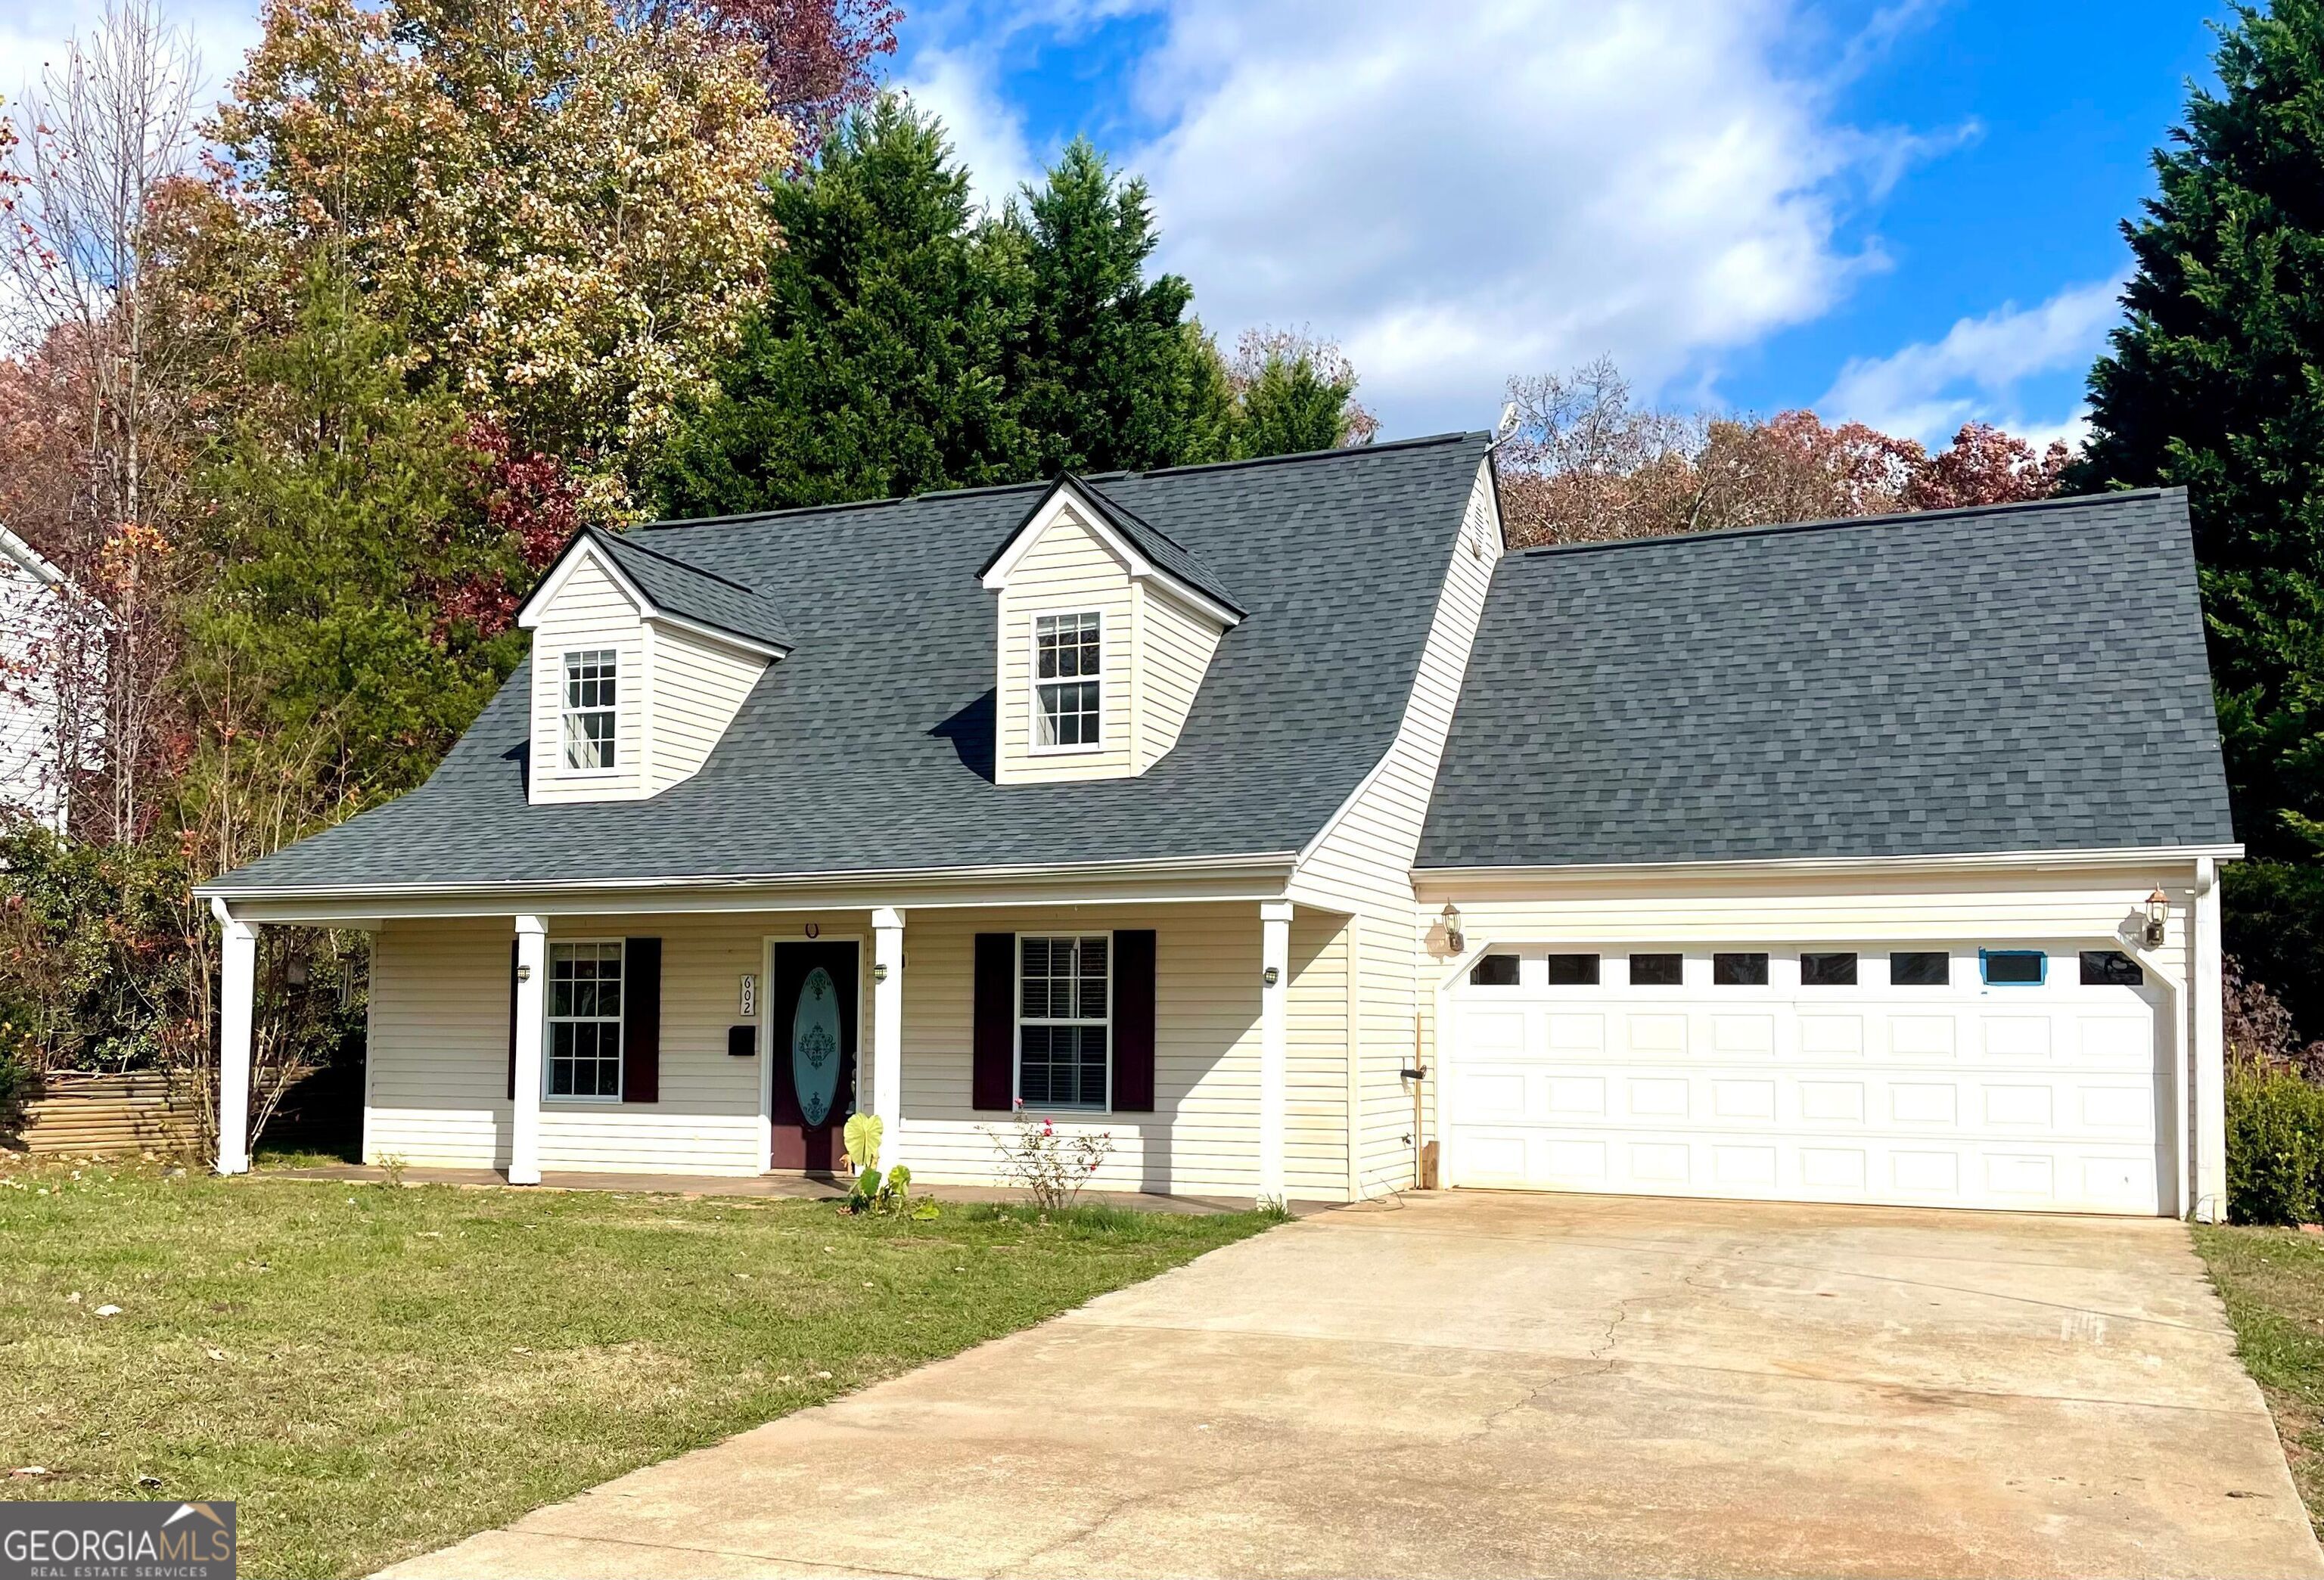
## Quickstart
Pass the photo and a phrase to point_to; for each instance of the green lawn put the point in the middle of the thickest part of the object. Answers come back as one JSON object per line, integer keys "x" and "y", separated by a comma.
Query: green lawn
{"x": 372, "y": 1370}
{"x": 2273, "y": 1282}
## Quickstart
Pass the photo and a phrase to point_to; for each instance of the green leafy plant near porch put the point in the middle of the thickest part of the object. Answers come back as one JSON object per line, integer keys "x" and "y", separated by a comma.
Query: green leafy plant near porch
{"x": 876, "y": 1191}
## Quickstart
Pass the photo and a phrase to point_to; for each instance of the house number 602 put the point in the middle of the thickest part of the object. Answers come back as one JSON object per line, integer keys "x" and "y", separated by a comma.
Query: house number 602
{"x": 749, "y": 994}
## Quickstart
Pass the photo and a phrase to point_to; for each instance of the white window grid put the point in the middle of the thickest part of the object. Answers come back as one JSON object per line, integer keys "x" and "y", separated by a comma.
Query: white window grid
{"x": 592, "y": 679}
{"x": 1068, "y": 683}
{"x": 1065, "y": 1021}
{"x": 584, "y": 1024}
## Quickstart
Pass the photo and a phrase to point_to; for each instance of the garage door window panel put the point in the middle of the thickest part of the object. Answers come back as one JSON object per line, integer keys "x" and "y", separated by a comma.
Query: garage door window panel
{"x": 1920, "y": 968}
{"x": 1573, "y": 971}
{"x": 2111, "y": 968}
{"x": 1495, "y": 970}
{"x": 1740, "y": 969}
{"x": 2013, "y": 968}
{"x": 1827, "y": 968}
{"x": 1657, "y": 970}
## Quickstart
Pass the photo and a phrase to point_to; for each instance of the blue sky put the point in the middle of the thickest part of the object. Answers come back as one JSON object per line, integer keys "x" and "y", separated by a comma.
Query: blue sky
{"x": 1905, "y": 213}
{"x": 1902, "y": 212}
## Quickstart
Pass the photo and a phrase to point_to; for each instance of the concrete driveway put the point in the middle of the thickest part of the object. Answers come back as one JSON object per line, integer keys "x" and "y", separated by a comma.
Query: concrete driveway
{"x": 1473, "y": 1384}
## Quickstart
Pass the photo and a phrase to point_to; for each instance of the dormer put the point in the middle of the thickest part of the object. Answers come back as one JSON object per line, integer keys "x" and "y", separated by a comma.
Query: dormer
{"x": 1107, "y": 624}
{"x": 640, "y": 662}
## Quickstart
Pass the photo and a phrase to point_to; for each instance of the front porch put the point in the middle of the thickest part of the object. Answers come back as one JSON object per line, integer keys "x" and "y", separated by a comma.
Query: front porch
{"x": 1206, "y": 1042}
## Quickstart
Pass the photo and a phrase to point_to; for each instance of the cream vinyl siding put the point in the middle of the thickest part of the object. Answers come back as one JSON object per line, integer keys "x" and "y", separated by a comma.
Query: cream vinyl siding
{"x": 1174, "y": 645}
{"x": 438, "y": 1082}
{"x": 698, "y": 686}
{"x": 1065, "y": 571}
{"x": 1202, "y": 1137}
{"x": 1362, "y": 865}
{"x": 590, "y": 612}
{"x": 438, "y": 1078}
{"x": 1994, "y": 908}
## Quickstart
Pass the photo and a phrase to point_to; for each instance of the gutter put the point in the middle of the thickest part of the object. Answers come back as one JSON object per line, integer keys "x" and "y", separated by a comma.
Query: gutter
{"x": 2033, "y": 861}
{"x": 1265, "y": 864}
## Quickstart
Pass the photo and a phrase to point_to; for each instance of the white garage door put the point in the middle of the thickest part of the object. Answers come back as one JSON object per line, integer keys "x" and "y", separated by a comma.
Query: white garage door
{"x": 1951, "y": 1076}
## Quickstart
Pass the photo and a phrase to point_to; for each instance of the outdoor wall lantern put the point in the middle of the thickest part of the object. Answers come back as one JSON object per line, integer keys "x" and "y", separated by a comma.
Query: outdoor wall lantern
{"x": 1270, "y": 975}
{"x": 524, "y": 973}
{"x": 2158, "y": 912}
{"x": 879, "y": 972}
{"x": 1454, "y": 942}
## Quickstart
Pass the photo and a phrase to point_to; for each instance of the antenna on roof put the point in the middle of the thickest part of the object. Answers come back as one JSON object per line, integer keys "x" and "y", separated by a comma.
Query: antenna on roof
{"x": 1507, "y": 427}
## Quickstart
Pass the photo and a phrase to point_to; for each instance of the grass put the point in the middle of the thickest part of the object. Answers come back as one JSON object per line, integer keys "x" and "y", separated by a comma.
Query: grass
{"x": 373, "y": 1371}
{"x": 2273, "y": 1282}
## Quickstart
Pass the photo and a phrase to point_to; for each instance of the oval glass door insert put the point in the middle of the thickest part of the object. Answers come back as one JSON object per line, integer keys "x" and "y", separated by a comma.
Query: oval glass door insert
{"x": 815, "y": 1046}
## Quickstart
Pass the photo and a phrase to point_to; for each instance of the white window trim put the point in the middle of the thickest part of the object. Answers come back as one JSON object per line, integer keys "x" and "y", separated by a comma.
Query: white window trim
{"x": 548, "y": 1020}
{"x": 614, "y": 769}
{"x": 1037, "y": 716}
{"x": 1017, "y": 1023}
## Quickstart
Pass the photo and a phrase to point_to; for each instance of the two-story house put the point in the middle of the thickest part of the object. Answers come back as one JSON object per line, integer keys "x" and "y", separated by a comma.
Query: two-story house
{"x": 1276, "y": 821}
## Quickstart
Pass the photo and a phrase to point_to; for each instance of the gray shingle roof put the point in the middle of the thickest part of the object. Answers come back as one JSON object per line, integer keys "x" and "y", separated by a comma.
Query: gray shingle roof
{"x": 869, "y": 747}
{"x": 2024, "y": 678}
{"x": 1166, "y": 551}
{"x": 1174, "y": 557}
{"x": 695, "y": 594}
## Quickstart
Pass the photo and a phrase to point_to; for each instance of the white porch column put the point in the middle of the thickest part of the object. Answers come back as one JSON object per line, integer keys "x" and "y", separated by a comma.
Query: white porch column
{"x": 237, "y": 983}
{"x": 532, "y": 1005}
{"x": 2209, "y": 1025}
{"x": 888, "y": 1031}
{"x": 1274, "y": 1044}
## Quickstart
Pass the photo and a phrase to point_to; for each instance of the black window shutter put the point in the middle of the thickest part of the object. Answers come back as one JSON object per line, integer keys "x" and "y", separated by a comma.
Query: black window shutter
{"x": 511, "y": 1084}
{"x": 1133, "y": 1021}
{"x": 992, "y": 1082}
{"x": 641, "y": 1020}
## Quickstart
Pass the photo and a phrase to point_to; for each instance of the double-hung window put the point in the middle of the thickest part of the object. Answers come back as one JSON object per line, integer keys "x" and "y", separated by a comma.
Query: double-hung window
{"x": 585, "y": 1020}
{"x": 589, "y": 686}
{"x": 1063, "y": 1022}
{"x": 1066, "y": 666}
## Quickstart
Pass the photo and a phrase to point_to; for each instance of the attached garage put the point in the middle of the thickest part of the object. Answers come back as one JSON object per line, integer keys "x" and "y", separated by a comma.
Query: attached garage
{"x": 1956, "y": 1075}
{"x": 1815, "y": 863}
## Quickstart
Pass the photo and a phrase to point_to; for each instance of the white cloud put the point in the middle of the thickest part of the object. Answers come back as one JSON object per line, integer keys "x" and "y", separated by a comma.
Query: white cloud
{"x": 1516, "y": 186}
{"x": 988, "y": 134}
{"x": 1979, "y": 370}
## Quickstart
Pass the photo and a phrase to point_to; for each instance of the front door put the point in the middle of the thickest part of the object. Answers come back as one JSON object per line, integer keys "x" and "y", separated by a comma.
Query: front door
{"x": 811, "y": 1041}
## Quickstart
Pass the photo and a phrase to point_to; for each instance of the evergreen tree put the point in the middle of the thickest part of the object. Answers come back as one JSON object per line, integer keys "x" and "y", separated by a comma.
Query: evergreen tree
{"x": 2217, "y": 383}
{"x": 874, "y": 369}
{"x": 336, "y": 510}
{"x": 1112, "y": 374}
{"x": 1293, "y": 393}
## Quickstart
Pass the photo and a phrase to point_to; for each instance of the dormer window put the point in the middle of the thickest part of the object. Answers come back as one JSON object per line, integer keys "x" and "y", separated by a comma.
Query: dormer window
{"x": 590, "y": 679}
{"x": 1105, "y": 626}
{"x": 1068, "y": 665}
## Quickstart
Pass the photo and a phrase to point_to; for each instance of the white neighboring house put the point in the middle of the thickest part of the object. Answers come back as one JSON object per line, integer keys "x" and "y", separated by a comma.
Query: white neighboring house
{"x": 42, "y": 622}
{"x": 1273, "y": 820}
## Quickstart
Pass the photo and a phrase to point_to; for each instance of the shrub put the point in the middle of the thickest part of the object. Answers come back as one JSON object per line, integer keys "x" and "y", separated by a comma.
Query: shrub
{"x": 2276, "y": 1147}
{"x": 1050, "y": 1168}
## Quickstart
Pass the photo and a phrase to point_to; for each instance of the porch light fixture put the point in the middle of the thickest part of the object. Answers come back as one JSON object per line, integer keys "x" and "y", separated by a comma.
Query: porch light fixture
{"x": 879, "y": 972}
{"x": 524, "y": 973}
{"x": 1270, "y": 975}
{"x": 1451, "y": 918}
{"x": 2158, "y": 912}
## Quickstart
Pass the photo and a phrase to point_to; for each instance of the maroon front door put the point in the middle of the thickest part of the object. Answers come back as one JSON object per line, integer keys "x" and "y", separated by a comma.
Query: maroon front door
{"x": 811, "y": 1038}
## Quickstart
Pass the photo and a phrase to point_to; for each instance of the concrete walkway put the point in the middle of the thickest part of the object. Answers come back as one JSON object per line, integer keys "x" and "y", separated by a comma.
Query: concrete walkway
{"x": 1470, "y": 1384}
